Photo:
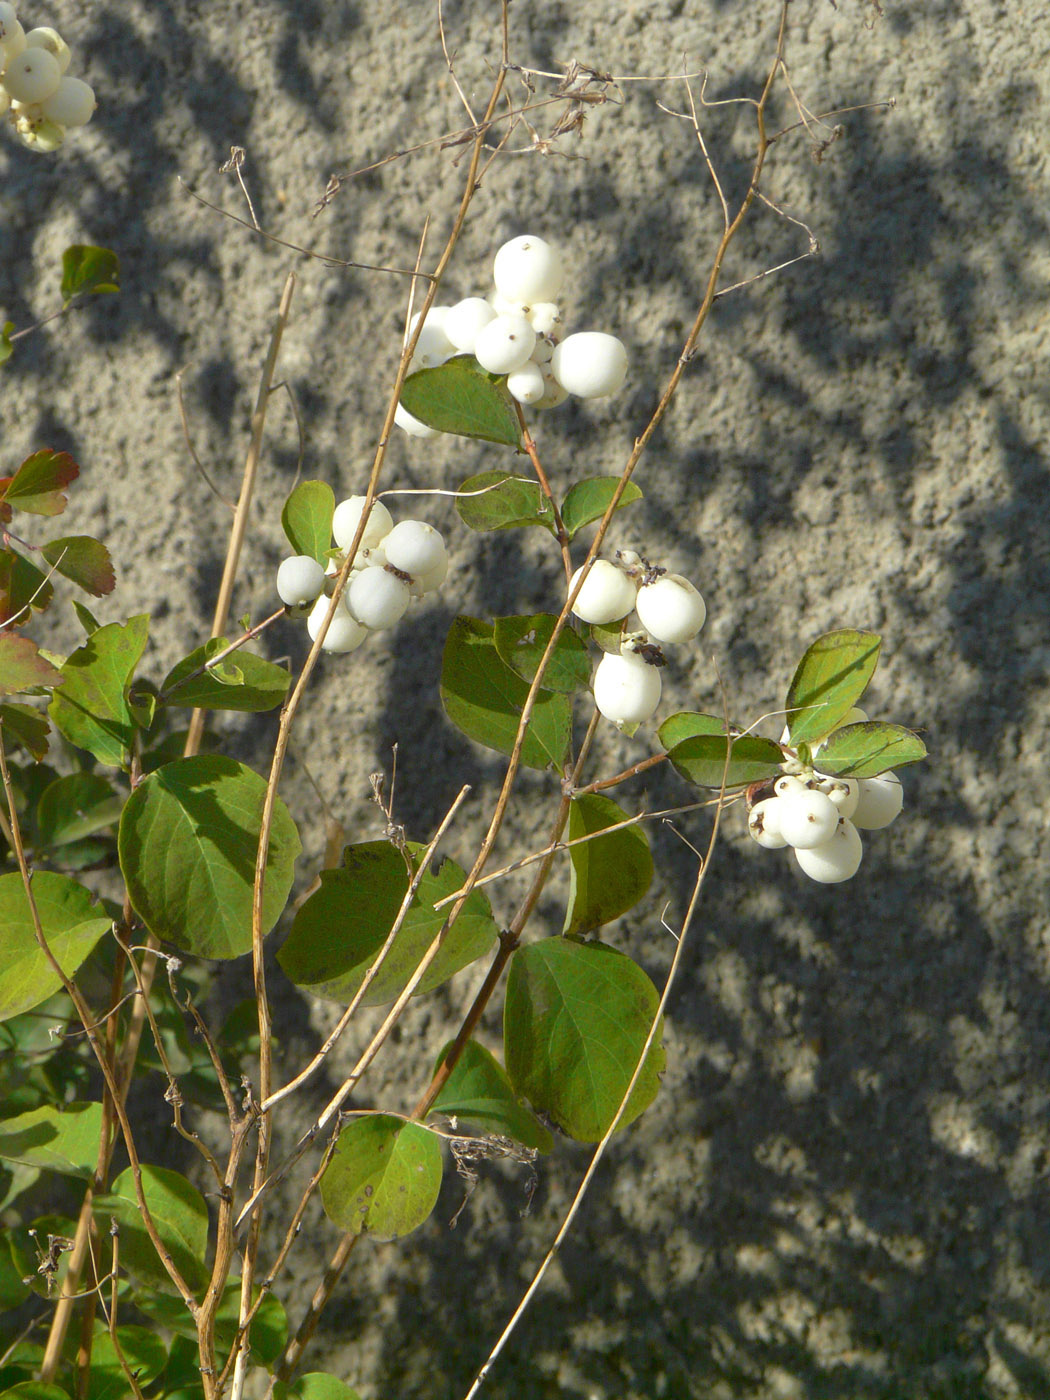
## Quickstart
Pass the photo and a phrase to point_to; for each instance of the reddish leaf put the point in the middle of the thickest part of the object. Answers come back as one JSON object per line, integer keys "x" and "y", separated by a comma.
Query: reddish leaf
{"x": 22, "y": 667}
{"x": 84, "y": 560}
{"x": 39, "y": 483}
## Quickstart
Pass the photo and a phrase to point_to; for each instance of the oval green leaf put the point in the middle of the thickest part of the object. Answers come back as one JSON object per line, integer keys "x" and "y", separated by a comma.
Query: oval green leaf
{"x": 33, "y": 1390}
{"x": 575, "y": 1020}
{"x": 484, "y": 698}
{"x": 868, "y": 749}
{"x": 829, "y": 680}
{"x": 315, "y": 1385}
{"x": 307, "y": 519}
{"x": 702, "y": 760}
{"x": 252, "y": 684}
{"x": 84, "y": 560}
{"x": 502, "y": 501}
{"x": 610, "y": 874}
{"x": 589, "y": 500}
{"x": 687, "y": 725}
{"x": 64, "y": 1140}
{"x": 72, "y": 923}
{"x": 479, "y": 1091}
{"x": 92, "y": 708}
{"x": 521, "y": 642}
{"x": 339, "y": 930}
{"x": 460, "y": 397}
{"x": 384, "y": 1177}
{"x": 269, "y": 1326}
{"x": 179, "y": 1214}
{"x": 144, "y": 1353}
{"x": 76, "y": 806}
{"x": 38, "y": 486}
{"x": 187, "y": 845}
{"x": 86, "y": 268}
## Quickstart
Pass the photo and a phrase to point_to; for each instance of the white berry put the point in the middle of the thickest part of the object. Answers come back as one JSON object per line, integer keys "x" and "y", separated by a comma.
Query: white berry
{"x": 433, "y": 347}
{"x": 415, "y": 548}
{"x": 880, "y": 801}
{"x": 670, "y": 609}
{"x": 526, "y": 384}
{"x": 377, "y": 597}
{"x": 33, "y": 76}
{"x": 299, "y": 581}
{"x": 347, "y": 517}
{"x": 411, "y": 425}
{"x": 46, "y": 38}
{"x": 553, "y": 393}
{"x": 835, "y": 860}
{"x": 528, "y": 270}
{"x": 607, "y": 594}
{"x": 430, "y": 579}
{"x": 763, "y": 823}
{"x": 545, "y": 317}
{"x": 466, "y": 319}
{"x": 807, "y": 818}
{"x": 12, "y": 35}
{"x": 504, "y": 344}
{"x": 72, "y": 104}
{"x": 344, "y": 634}
{"x": 844, "y": 792}
{"x": 626, "y": 688}
{"x": 590, "y": 364}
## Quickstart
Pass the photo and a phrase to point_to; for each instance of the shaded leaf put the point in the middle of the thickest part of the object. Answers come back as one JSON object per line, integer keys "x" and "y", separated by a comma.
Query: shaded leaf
{"x": 479, "y": 1091}
{"x": 13, "y": 1270}
{"x": 829, "y": 680}
{"x": 609, "y": 874}
{"x": 22, "y": 586}
{"x": 23, "y": 725}
{"x": 484, "y": 698}
{"x": 243, "y": 682}
{"x": 34, "y": 1390}
{"x": 76, "y": 806}
{"x": 72, "y": 923}
{"x": 340, "y": 929}
{"x": 588, "y": 500}
{"x": 307, "y": 519}
{"x": 6, "y": 348}
{"x": 502, "y": 501}
{"x": 384, "y": 1177}
{"x": 868, "y": 749}
{"x": 702, "y": 760}
{"x": 575, "y": 1020}
{"x": 269, "y": 1326}
{"x": 88, "y": 269}
{"x": 179, "y": 1215}
{"x": 62, "y": 1139}
{"x": 187, "y": 844}
{"x": 92, "y": 709}
{"x": 83, "y": 560}
{"x": 38, "y": 486}
{"x": 521, "y": 642}
{"x": 144, "y": 1352}
{"x": 460, "y": 397}
{"x": 85, "y": 617}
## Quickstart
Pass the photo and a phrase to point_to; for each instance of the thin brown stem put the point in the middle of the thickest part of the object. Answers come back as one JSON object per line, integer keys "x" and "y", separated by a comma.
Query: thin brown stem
{"x": 541, "y": 476}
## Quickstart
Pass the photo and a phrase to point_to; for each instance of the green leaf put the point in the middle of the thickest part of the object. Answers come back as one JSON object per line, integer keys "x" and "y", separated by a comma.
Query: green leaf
{"x": 829, "y": 680}
{"x": 92, "y": 709}
{"x": 269, "y": 1326}
{"x": 484, "y": 698}
{"x": 702, "y": 761}
{"x": 85, "y": 617}
{"x": 83, "y": 560}
{"x": 74, "y": 807}
{"x": 340, "y": 929}
{"x": 307, "y": 519}
{"x": 38, "y": 486}
{"x": 13, "y": 1270}
{"x": 144, "y": 1352}
{"x": 479, "y": 1090}
{"x": 6, "y": 348}
{"x": 609, "y": 637}
{"x": 315, "y": 1385}
{"x": 61, "y": 1140}
{"x": 253, "y": 683}
{"x": 22, "y": 587}
{"x": 575, "y": 1020}
{"x": 868, "y": 749}
{"x": 179, "y": 1215}
{"x": 24, "y": 725}
{"x": 589, "y": 500}
{"x": 384, "y": 1177}
{"x": 460, "y": 397}
{"x": 521, "y": 642}
{"x": 88, "y": 269}
{"x": 687, "y": 725}
{"x": 72, "y": 923}
{"x": 33, "y": 1390}
{"x": 187, "y": 845}
{"x": 609, "y": 874}
{"x": 502, "y": 501}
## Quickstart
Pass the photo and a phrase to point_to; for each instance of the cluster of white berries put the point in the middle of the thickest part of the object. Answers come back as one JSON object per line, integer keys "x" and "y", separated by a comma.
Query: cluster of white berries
{"x": 517, "y": 331}
{"x": 669, "y": 610}
{"x": 393, "y": 565}
{"x": 42, "y": 101}
{"x": 821, "y": 818}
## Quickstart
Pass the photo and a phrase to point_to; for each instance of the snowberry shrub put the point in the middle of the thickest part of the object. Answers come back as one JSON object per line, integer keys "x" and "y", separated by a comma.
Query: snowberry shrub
{"x": 180, "y": 1296}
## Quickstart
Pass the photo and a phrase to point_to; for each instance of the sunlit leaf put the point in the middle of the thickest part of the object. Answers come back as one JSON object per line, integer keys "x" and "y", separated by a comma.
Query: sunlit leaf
{"x": 702, "y": 760}
{"x": 521, "y": 642}
{"x": 22, "y": 667}
{"x": 88, "y": 269}
{"x": 307, "y": 519}
{"x": 92, "y": 709}
{"x": 829, "y": 680}
{"x": 251, "y": 683}
{"x": 479, "y": 1092}
{"x": 72, "y": 923}
{"x": 588, "y": 500}
{"x": 38, "y": 486}
{"x": 64, "y": 1140}
{"x": 868, "y": 749}
{"x": 83, "y": 560}
{"x": 460, "y": 397}
{"x": 384, "y": 1177}
{"x": 502, "y": 501}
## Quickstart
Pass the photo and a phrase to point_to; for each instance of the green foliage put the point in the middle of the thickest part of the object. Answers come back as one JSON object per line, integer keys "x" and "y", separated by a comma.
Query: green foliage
{"x": 502, "y": 501}
{"x": 575, "y": 1020}
{"x": 484, "y": 698}
{"x": 865, "y": 750}
{"x": 315, "y": 1385}
{"x": 63, "y": 1139}
{"x": 76, "y": 806}
{"x": 6, "y": 348}
{"x": 23, "y": 588}
{"x": 610, "y": 874}
{"x": 588, "y": 501}
{"x": 269, "y": 1327}
{"x": 188, "y": 839}
{"x": 479, "y": 1092}
{"x": 22, "y": 725}
{"x": 829, "y": 680}
{"x": 460, "y": 397}
{"x": 521, "y": 642}
{"x": 87, "y": 269}
{"x": 179, "y": 1215}
{"x": 144, "y": 1353}
{"x": 84, "y": 561}
{"x": 340, "y": 929}
{"x": 384, "y": 1176}
{"x": 38, "y": 486}
{"x": 92, "y": 709}
{"x": 72, "y": 924}
{"x": 696, "y": 745}
{"x": 243, "y": 681}
{"x": 307, "y": 519}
